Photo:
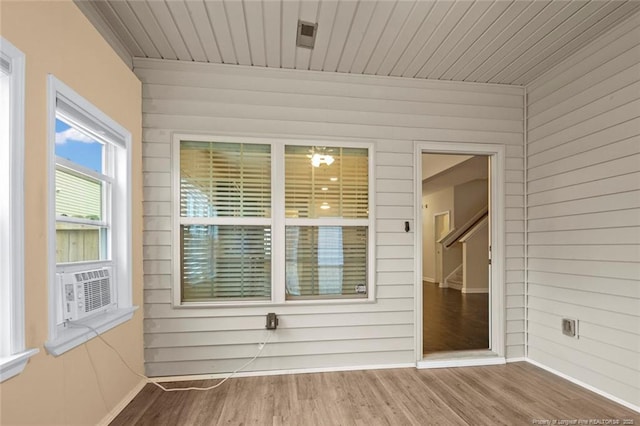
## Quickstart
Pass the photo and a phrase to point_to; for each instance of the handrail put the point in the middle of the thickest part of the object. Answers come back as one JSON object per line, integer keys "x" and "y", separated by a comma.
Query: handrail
{"x": 455, "y": 234}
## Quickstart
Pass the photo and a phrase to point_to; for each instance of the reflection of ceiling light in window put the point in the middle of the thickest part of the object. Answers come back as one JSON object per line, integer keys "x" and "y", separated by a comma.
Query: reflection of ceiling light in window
{"x": 318, "y": 159}
{"x": 325, "y": 206}
{"x": 324, "y": 188}
{"x": 333, "y": 179}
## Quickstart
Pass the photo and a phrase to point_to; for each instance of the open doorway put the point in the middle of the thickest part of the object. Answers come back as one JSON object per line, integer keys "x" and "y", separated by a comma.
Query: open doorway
{"x": 459, "y": 277}
{"x": 455, "y": 297}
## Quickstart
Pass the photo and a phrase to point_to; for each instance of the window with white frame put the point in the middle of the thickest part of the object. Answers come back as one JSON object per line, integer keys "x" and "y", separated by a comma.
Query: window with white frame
{"x": 272, "y": 221}
{"x": 13, "y": 355}
{"x": 90, "y": 220}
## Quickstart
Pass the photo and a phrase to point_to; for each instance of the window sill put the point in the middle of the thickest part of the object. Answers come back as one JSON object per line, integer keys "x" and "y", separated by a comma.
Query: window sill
{"x": 70, "y": 337}
{"x": 13, "y": 365}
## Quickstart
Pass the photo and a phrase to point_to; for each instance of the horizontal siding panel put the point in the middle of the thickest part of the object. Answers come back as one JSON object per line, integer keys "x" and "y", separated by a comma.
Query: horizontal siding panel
{"x": 602, "y": 301}
{"x": 599, "y": 171}
{"x": 156, "y": 208}
{"x": 620, "y": 253}
{"x": 603, "y": 318}
{"x": 612, "y": 117}
{"x": 586, "y": 236}
{"x": 173, "y": 107}
{"x": 361, "y": 102}
{"x": 273, "y": 349}
{"x": 159, "y": 307}
{"x": 622, "y": 270}
{"x": 595, "y": 188}
{"x": 404, "y": 186}
{"x": 592, "y": 332}
{"x": 620, "y": 201}
{"x": 612, "y": 286}
{"x": 394, "y": 278}
{"x": 618, "y": 218}
{"x": 179, "y": 325}
{"x": 159, "y": 238}
{"x": 322, "y": 128}
{"x": 161, "y": 150}
{"x": 284, "y": 335}
{"x": 279, "y": 363}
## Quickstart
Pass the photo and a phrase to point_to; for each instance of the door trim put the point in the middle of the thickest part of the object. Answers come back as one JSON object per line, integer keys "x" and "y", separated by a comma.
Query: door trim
{"x": 497, "y": 307}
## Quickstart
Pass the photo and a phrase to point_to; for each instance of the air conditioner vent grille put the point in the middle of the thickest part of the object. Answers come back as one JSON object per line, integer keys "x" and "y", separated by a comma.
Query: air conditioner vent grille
{"x": 97, "y": 293}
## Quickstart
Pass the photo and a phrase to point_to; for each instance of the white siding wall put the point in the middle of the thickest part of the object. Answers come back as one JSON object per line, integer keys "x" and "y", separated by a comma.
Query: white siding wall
{"x": 584, "y": 213}
{"x": 219, "y": 99}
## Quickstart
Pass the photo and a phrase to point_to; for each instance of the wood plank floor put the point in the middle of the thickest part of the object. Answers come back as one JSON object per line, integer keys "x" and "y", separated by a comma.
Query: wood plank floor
{"x": 452, "y": 320}
{"x": 512, "y": 394}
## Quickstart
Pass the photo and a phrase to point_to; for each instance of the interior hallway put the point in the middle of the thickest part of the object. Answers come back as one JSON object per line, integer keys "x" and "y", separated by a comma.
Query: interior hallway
{"x": 453, "y": 321}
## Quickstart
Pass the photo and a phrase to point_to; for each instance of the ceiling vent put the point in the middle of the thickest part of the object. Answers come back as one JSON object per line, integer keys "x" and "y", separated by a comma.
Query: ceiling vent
{"x": 306, "y": 34}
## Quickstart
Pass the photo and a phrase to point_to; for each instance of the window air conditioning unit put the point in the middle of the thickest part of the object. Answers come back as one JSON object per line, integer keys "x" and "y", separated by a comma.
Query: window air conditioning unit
{"x": 86, "y": 293}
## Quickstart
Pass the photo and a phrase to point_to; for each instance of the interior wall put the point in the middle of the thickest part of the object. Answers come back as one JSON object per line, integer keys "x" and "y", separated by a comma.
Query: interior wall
{"x": 393, "y": 113}
{"x": 584, "y": 214}
{"x": 468, "y": 199}
{"x": 83, "y": 385}
{"x": 432, "y": 204}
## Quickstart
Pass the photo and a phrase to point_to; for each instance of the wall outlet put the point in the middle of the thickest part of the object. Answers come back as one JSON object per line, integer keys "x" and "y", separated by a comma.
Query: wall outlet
{"x": 570, "y": 327}
{"x": 272, "y": 321}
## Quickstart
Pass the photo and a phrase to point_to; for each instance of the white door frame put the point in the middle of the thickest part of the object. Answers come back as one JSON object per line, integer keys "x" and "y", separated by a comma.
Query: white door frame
{"x": 497, "y": 216}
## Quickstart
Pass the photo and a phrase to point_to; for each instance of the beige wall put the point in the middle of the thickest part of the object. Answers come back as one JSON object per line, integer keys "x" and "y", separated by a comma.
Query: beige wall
{"x": 56, "y": 38}
{"x": 437, "y": 202}
{"x": 469, "y": 198}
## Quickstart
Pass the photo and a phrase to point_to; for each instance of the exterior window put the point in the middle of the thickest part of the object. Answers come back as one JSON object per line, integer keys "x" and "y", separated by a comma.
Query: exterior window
{"x": 225, "y": 221}
{"x": 13, "y": 355}
{"x": 327, "y": 211}
{"x": 267, "y": 221}
{"x": 90, "y": 221}
{"x": 83, "y": 193}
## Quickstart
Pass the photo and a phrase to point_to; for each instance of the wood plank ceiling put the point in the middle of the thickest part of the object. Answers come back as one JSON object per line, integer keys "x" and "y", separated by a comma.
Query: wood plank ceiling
{"x": 501, "y": 41}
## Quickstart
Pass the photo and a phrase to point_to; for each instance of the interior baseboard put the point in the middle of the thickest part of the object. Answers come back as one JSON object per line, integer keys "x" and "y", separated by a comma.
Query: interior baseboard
{"x": 519, "y": 359}
{"x": 279, "y": 372}
{"x": 585, "y": 385}
{"x": 429, "y": 280}
{"x": 475, "y": 290}
{"x": 111, "y": 415}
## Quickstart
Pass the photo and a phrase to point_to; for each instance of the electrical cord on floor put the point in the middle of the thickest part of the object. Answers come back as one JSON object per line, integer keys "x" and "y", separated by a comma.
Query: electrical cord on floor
{"x": 233, "y": 373}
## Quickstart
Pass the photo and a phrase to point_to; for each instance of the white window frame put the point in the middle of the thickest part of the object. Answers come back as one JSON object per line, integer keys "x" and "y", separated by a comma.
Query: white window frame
{"x": 64, "y": 336}
{"x": 277, "y": 221}
{"x": 13, "y": 354}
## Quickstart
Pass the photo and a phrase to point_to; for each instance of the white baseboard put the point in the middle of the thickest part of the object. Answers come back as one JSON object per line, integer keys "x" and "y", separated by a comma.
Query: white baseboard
{"x": 586, "y": 386}
{"x": 111, "y": 415}
{"x": 279, "y": 372}
{"x": 429, "y": 279}
{"x": 475, "y": 290}
{"x": 453, "y": 286}
{"x": 519, "y": 359}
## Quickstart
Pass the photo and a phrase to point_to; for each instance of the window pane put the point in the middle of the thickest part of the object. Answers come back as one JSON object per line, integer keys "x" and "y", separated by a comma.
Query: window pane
{"x": 326, "y": 182}
{"x": 78, "y": 196}
{"x": 78, "y": 147}
{"x": 225, "y": 262}
{"x": 80, "y": 243}
{"x": 225, "y": 179}
{"x": 326, "y": 261}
